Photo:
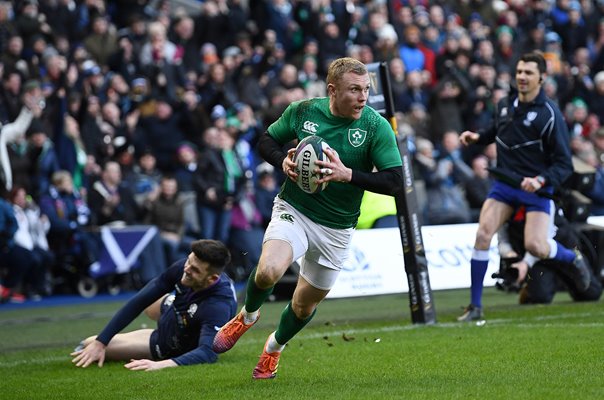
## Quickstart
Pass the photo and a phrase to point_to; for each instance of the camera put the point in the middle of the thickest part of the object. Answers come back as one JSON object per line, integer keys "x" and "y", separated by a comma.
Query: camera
{"x": 507, "y": 275}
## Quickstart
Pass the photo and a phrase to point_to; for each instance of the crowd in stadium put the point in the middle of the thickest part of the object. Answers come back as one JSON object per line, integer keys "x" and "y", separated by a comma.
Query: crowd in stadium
{"x": 150, "y": 115}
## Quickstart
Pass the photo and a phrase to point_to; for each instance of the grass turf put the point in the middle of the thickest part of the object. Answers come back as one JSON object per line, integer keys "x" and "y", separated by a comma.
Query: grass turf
{"x": 361, "y": 348}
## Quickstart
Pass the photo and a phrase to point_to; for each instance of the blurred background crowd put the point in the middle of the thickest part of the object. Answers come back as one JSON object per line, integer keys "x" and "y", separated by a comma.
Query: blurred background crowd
{"x": 148, "y": 112}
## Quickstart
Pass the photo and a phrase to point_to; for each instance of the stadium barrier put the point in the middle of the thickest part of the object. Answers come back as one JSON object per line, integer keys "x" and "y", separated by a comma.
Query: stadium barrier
{"x": 376, "y": 265}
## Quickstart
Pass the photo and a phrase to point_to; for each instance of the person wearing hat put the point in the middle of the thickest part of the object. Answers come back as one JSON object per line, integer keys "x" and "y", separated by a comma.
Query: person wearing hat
{"x": 506, "y": 50}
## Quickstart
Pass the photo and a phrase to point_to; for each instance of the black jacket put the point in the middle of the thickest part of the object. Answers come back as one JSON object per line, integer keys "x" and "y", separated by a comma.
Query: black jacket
{"x": 532, "y": 139}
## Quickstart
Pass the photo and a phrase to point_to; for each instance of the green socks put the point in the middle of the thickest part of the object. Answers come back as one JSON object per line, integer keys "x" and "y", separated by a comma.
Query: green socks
{"x": 290, "y": 325}
{"x": 255, "y": 296}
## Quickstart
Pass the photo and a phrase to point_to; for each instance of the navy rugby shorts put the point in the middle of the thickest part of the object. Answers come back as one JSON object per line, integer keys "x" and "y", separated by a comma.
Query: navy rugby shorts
{"x": 517, "y": 197}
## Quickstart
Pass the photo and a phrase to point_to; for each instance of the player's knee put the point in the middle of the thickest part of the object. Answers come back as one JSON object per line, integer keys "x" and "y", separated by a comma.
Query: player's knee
{"x": 537, "y": 248}
{"x": 303, "y": 311}
{"x": 267, "y": 275}
{"x": 483, "y": 238}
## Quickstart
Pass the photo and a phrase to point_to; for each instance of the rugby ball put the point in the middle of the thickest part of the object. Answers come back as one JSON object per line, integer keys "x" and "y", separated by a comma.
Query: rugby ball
{"x": 308, "y": 151}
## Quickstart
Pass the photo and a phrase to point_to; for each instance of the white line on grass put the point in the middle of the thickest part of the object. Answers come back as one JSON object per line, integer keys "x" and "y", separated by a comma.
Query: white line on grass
{"x": 385, "y": 329}
{"x": 447, "y": 325}
{"x": 34, "y": 361}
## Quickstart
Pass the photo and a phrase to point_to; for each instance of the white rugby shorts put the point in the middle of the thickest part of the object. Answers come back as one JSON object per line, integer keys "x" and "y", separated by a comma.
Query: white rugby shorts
{"x": 323, "y": 250}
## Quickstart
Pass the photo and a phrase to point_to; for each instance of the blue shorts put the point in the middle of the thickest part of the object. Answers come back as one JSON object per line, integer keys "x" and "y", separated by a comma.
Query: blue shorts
{"x": 154, "y": 346}
{"x": 516, "y": 197}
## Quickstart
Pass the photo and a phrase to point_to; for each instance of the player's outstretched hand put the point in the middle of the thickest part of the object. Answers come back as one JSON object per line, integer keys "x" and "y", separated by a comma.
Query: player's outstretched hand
{"x": 468, "y": 137}
{"x": 333, "y": 169}
{"x": 92, "y": 352}
{"x": 148, "y": 365}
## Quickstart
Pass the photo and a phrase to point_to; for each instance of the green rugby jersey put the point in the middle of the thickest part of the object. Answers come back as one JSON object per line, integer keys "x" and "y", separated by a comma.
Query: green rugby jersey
{"x": 361, "y": 144}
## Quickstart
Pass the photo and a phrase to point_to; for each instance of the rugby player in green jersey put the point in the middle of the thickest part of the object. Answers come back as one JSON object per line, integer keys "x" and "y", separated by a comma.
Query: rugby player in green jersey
{"x": 317, "y": 227}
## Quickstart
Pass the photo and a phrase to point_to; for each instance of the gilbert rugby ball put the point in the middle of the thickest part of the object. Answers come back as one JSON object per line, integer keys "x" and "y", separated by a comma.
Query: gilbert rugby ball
{"x": 309, "y": 150}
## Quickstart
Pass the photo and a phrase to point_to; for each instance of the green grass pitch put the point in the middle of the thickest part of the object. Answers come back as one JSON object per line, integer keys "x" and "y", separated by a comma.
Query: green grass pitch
{"x": 361, "y": 348}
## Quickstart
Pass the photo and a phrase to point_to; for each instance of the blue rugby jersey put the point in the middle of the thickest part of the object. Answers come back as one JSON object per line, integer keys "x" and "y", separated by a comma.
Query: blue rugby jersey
{"x": 532, "y": 139}
{"x": 189, "y": 320}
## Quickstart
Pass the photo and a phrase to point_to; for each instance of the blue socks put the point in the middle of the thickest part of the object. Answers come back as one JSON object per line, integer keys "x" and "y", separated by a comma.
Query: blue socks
{"x": 562, "y": 253}
{"x": 478, "y": 269}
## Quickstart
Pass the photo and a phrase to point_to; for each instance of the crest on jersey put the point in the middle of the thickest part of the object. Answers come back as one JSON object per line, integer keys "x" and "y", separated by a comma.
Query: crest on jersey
{"x": 357, "y": 137}
{"x": 169, "y": 300}
{"x": 192, "y": 310}
{"x": 530, "y": 117}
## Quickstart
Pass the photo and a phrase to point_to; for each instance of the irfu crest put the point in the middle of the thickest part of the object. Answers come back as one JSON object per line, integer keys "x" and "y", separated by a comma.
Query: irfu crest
{"x": 356, "y": 137}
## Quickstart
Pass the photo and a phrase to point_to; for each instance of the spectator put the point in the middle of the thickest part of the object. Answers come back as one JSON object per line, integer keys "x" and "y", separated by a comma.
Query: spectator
{"x": 7, "y": 28}
{"x": 111, "y": 200}
{"x": 589, "y": 155}
{"x": 448, "y": 99}
{"x": 31, "y": 235}
{"x": 71, "y": 153}
{"x": 386, "y": 47}
{"x": 124, "y": 60}
{"x": 413, "y": 58}
{"x": 212, "y": 25}
{"x": 144, "y": 180}
{"x": 597, "y": 139}
{"x": 573, "y": 32}
{"x": 266, "y": 190}
{"x": 218, "y": 90}
{"x": 112, "y": 203}
{"x": 187, "y": 48}
{"x": 446, "y": 202}
{"x": 416, "y": 92}
{"x": 12, "y": 59}
{"x": 331, "y": 44}
{"x": 506, "y": 53}
{"x": 15, "y": 132}
{"x": 247, "y": 229}
{"x": 218, "y": 182}
{"x": 596, "y": 101}
{"x": 186, "y": 169}
{"x": 166, "y": 212}
{"x": 30, "y": 23}
{"x": 43, "y": 158}
{"x": 535, "y": 40}
{"x": 15, "y": 259}
{"x": 101, "y": 43}
{"x": 10, "y": 99}
{"x": 478, "y": 186}
{"x": 397, "y": 71}
{"x": 309, "y": 77}
{"x": 286, "y": 78}
{"x": 69, "y": 217}
{"x": 247, "y": 133}
{"x": 161, "y": 63}
{"x": 151, "y": 132}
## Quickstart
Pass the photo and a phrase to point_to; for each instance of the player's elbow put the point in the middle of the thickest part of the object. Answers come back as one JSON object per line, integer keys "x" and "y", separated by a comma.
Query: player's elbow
{"x": 396, "y": 186}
